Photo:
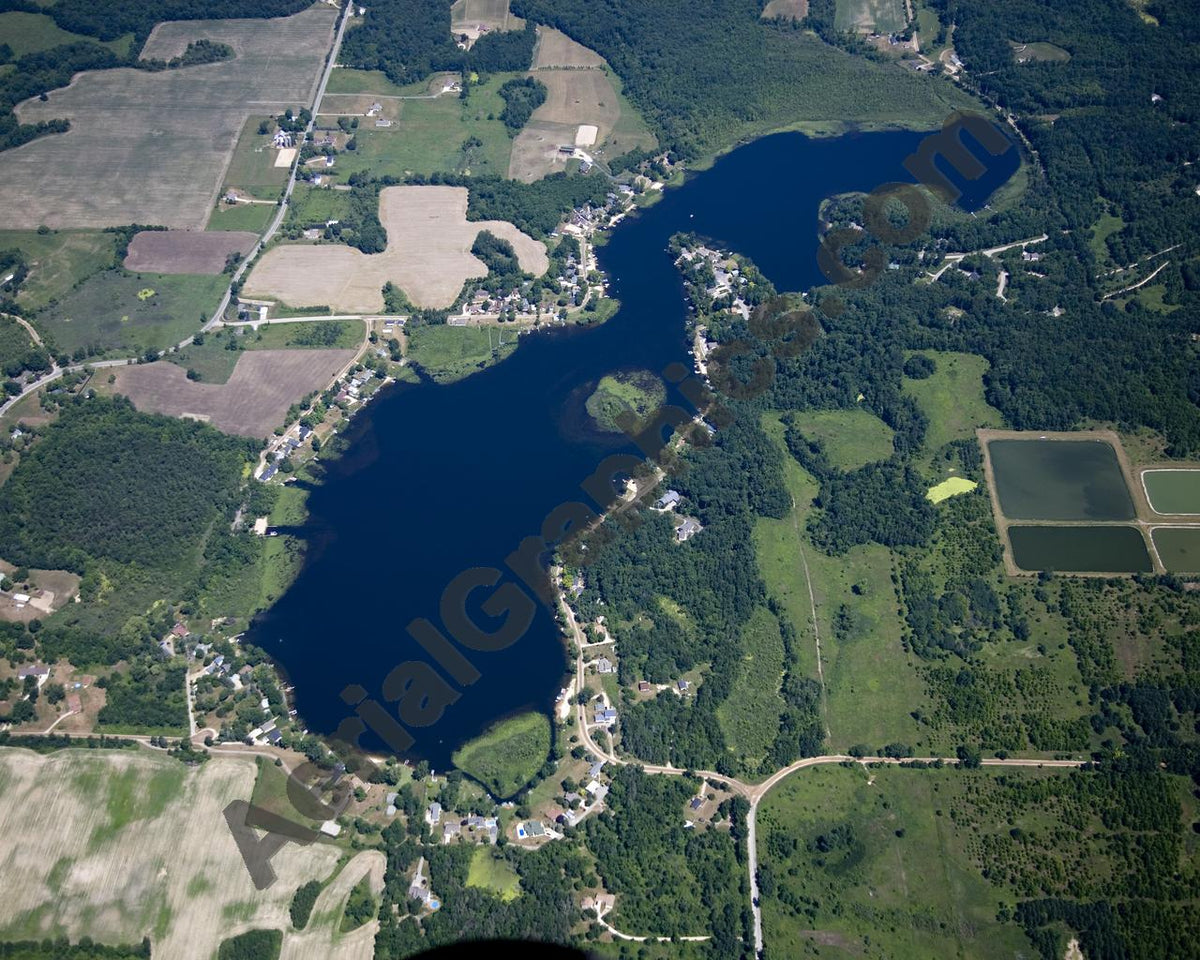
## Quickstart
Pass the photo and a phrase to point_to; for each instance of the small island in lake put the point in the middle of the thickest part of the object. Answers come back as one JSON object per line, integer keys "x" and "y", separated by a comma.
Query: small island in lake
{"x": 618, "y": 396}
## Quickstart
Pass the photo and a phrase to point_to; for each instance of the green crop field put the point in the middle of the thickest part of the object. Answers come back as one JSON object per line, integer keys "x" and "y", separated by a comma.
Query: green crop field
{"x": 851, "y": 438}
{"x": 113, "y": 312}
{"x": 509, "y": 755}
{"x": 750, "y": 716}
{"x": 953, "y": 398}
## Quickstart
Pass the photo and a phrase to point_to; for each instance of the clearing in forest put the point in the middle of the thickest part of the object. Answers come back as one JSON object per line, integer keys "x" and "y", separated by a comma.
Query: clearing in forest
{"x": 786, "y": 9}
{"x": 871, "y": 16}
{"x": 583, "y": 108}
{"x": 152, "y": 147}
{"x": 428, "y": 256}
{"x": 251, "y": 403}
{"x": 472, "y": 18}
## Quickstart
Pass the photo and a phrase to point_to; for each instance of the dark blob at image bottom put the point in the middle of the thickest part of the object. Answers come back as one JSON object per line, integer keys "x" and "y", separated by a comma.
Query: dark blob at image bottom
{"x": 438, "y": 480}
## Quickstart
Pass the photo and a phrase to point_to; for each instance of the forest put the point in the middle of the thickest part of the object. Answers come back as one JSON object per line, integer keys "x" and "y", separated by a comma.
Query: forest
{"x": 705, "y": 74}
{"x": 521, "y": 97}
{"x": 410, "y": 39}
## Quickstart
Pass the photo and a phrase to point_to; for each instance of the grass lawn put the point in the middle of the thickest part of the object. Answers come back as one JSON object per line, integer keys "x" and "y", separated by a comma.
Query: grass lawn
{"x": 509, "y": 755}
{"x": 429, "y": 136}
{"x": 350, "y": 80}
{"x": 851, "y": 438}
{"x": 131, "y": 313}
{"x": 252, "y": 169}
{"x": 493, "y": 873}
{"x": 863, "y": 658}
{"x": 317, "y": 204}
{"x": 952, "y": 398}
{"x": 31, "y": 32}
{"x": 244, "y": 216}
{"x": 447, "y": 353}
{"x": 749, "y": 718}
{"x": 58, "y": 261}
{"x": 270, "y": 793}
{"x": 883, "y": 866}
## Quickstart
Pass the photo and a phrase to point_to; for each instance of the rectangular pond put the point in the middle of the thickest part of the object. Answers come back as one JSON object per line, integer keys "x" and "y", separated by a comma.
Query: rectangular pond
{"x": 1178, "y": 548}
{"x": 1099, "y": 549}
{"x": 1172, "y": 491}
{"x": 1059, "y": 480}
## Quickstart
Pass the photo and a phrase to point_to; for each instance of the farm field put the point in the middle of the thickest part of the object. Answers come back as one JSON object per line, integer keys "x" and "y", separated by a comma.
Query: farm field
{"x": 252, "y": 169}
{"x": 580, "y": 92}
{"x": 350, "y": 80}
{"x": 1059, "y": 480}
{"x": 248, "y": 217}
{"x": 185, "y": 251}
{"x": 214, "y": 362}
{"x": 1081, "y": 549}
{"x": 471, "y": 18}
{"x": 118, "y": 845}
{"x": 428, "y": 256}
{"x": 791, "y": 9}
{"x": 1178, "y": 548}
{"x": 1172, "y": 491}
{"x": 252, "y": 402}
{"x": 58, "y": 261}
{"x": 851, "y": 438}
{"x": 871, "y": 16}
{"x": 445, "y": 354}
{"x": 31, "y": 32}
{"x": 868, "y": 859}
{"x": 178, "y": 127}
{"x": 430, "y": 135}
{"x": 131, "y": 313}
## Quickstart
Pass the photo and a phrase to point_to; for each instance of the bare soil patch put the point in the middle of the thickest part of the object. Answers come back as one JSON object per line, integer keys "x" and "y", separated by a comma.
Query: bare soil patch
{"x": 788, "y": 9}
{"x": 251, "y": 403}
{"x": 185, "y": 251}
{"x": 153, "y": 147}
{"x": 321, "y": 939}
{"x": 555, "y": 49}
{"x": 428, "y": 256}
{"x": 49, "y": 590}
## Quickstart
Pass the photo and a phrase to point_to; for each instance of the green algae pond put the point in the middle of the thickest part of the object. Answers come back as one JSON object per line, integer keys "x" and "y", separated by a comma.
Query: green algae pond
{"x": 1059, "y": 480}
{"x": 1083, "y": 549}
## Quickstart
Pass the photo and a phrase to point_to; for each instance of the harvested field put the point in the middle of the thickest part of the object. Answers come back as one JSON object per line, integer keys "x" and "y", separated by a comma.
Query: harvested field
{"x": 321, "y": 939}
{"x": 152, "y": 147}
{"x": 788, "y": 9}
{"x": 119, "y": 845}
{"x": 428, "y": 257}
{"x": 185, "y": 251}
{"x": 871, "y": 16}
{"x": 251, "y": 403}
{"x": 555, "y": 49}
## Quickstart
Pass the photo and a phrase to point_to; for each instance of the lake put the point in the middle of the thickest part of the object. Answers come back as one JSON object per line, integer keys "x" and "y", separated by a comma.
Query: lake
{"x": 438, "y": 480}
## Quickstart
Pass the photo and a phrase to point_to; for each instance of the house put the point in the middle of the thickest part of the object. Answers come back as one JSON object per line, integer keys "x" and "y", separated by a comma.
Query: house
{"x": 682, "y": 686}
{"x": 697, "y": 803}
{"x": 604, "y": 665}
{"x": 330, "y": 828}
{"x": 383, "y": 123}
{"x": 595, "y": 768}
{"x": 434, "y": 814}
{"x": 643, "y": 686}
{"x": 688, "y": 529}
{"x": 35, "y": 670}
{"x": 273, "y": 738}
{"x": 180, "y": 630}
{"x": 450, "y": 831}
{"x": 312, "y": 234}
{"x": 667, "y": 500}
{"x": 391, "y": 804}
{"x": 20, "y": 599}
{"x": 1030, "y": 256}
{"x": 268, "y": 473}
{"x": 282, "y": 139}
{"x": 597, "y": 790}
{"x": 605, "y": 715}
{"x": 532, "y": 829}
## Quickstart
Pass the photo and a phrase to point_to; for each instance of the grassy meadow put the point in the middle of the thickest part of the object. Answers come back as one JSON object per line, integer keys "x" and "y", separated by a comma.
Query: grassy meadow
{"x": 510, "y": 754}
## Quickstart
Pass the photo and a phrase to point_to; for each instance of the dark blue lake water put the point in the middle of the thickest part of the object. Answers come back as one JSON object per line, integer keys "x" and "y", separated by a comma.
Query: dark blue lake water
{"x": 441, "y": 479}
